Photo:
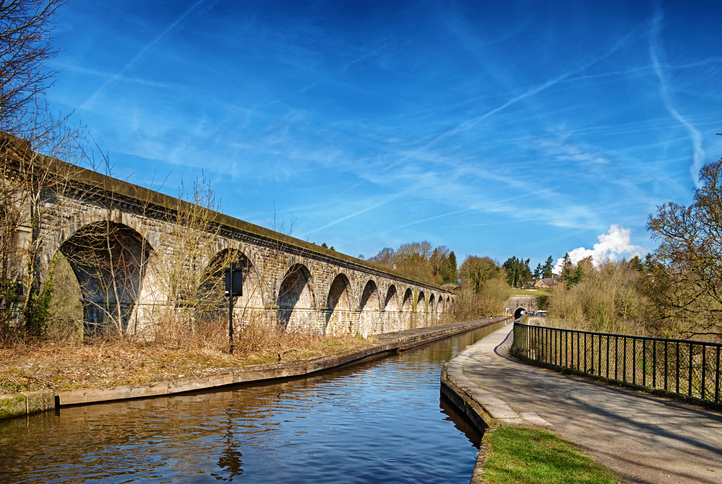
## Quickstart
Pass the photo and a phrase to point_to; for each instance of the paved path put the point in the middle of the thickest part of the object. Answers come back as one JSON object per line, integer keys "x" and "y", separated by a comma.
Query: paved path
{"x": 643, "y": 438}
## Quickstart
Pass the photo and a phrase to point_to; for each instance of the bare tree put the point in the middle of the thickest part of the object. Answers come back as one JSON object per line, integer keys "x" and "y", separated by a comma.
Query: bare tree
{"x": 25, "y": 45}
{"x": 685, "y": 274}
{"x": 30, "y": 180}
{"x": 31, "y": 140}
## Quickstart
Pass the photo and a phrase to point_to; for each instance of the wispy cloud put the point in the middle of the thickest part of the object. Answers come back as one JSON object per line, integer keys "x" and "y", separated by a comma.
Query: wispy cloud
{"x": 655, "y": 51}
{"x": 394, "y": 121}
{"x": 383, "y": 202}
{"x": 121, "y": 74}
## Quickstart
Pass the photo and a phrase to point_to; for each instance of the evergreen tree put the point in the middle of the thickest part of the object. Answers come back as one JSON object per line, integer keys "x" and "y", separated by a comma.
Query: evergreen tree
{"x": 453, "y": 274}
{"x": 572, "y": 274}
{"x": 517, "y": 271}
{"x": 547, "y": 268}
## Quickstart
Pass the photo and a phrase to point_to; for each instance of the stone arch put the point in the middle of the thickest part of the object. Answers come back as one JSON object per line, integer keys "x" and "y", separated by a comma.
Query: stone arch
{"x": 109, "y": 261}
{"x": 391, "y": 302}
{"x": 78, "y": 222}
{"x": 370, "y": 320}
{"x": 408, "y": 301}
{"x": 432, "y": 309}
{"x": 406, "y": 314}
{"x": 421, "y": 304}
{"x": 338, "y": 305}
{"x": 519, "y": 312}
{"x": 391, "y": 310}
{"x": 419, "y": 317}
{"x": 296, "y": 299}
{"x": 212, "y": 285}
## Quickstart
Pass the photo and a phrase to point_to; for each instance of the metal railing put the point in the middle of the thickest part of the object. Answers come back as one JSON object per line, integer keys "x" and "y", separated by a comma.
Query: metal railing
{"x": 674, "y": 366}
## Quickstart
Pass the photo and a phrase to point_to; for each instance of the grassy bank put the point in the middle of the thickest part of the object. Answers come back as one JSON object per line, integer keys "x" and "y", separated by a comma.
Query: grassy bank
{"x": 524, "y": 455}
{"x": 109, "y": 363}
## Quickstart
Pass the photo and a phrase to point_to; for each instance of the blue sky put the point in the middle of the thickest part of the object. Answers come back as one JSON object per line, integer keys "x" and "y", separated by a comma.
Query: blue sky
{"x": 528, "y": 128}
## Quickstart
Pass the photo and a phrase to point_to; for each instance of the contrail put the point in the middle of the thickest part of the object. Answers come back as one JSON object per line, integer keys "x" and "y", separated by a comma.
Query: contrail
{"x": 330, "y": 224}
{"x": 695, "y": 135}
{"x": 147, "y": 47}
{"x": 563, "y": 76}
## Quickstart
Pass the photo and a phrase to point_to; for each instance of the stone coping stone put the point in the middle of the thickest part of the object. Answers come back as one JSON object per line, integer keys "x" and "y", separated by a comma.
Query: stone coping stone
{"x": 388, "y": 342}
{"x": 20, "y": 404}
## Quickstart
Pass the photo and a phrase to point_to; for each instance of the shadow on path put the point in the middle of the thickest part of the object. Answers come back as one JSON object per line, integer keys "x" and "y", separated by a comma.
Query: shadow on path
{"x": 643, "y": 438}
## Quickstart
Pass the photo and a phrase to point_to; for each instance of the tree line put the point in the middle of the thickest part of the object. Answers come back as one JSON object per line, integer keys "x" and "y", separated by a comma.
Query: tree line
{"x": 419, "y": 261}
{"x": 675, "y": 291}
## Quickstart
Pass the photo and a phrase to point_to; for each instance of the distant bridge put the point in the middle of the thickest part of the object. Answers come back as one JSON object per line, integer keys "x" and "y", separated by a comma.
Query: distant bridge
{"x": 135, "y": 254}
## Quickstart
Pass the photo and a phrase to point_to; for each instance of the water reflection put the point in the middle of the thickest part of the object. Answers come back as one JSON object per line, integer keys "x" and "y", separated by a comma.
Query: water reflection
{"x": 376, "y": 421}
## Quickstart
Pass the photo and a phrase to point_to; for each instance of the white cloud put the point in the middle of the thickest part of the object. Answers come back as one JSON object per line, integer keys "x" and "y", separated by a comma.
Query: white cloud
{"x": 614, "y": 243}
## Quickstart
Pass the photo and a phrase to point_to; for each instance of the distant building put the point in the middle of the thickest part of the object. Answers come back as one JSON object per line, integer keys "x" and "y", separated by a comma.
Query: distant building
{"x": 545, "y": 282}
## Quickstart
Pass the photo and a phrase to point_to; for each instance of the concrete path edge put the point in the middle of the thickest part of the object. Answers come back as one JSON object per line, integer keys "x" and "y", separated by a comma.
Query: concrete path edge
{"x": 484, "y": 409}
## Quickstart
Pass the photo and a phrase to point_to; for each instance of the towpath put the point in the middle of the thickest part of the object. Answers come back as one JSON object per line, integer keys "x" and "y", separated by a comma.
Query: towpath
{"x": 643, "y": 438}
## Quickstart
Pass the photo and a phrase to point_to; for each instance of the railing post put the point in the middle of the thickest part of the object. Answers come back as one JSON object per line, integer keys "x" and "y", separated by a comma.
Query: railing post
{"x": 607, "y": 356}
{"x": 677, "y": 365}
{"x": 666, "y": 363}
{"x": 654, "y": 363}
{"x": 689, "y": 384}
{"x": 624, "y": 372}
{"x": 717, "y": 375}
{"x": 704, "y": 368}
{"x": 616, "y": 357}
{"x": 634, "y": 360}
{"x": 579, "y": 352}
{"x": 644, "y": 362}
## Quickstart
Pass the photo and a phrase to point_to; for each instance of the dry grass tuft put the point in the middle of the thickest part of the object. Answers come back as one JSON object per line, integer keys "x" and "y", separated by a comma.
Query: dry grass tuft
{"x": 175, "y": 351}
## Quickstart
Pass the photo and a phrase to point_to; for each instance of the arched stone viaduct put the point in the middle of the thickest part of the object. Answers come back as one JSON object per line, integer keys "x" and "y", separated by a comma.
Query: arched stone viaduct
{"x": 110, "y": 230}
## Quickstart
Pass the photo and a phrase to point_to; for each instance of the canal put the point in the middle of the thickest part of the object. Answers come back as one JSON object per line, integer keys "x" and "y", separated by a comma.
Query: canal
{"x": 375, "y": 421}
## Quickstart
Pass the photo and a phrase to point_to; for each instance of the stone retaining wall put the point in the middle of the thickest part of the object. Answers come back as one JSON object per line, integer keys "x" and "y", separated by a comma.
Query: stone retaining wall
{"x": 20, "y": 404}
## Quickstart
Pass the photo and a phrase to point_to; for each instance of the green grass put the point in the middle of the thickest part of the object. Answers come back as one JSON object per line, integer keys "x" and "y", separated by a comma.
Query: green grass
{"x": 524, "y": 455}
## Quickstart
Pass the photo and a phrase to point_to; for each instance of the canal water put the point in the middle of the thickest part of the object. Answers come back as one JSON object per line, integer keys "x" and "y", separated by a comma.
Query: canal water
{"x": 376, "y": 421}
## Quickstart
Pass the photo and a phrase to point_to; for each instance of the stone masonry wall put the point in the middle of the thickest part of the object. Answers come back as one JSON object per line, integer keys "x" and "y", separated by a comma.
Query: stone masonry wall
{"x": 288, "y": 281}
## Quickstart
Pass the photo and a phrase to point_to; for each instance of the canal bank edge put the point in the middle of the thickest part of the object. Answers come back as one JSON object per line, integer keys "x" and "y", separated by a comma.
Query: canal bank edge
{"x": 484, "y": 409}
{"x": 20, "y": 404}
{"x": 23, "y": 403}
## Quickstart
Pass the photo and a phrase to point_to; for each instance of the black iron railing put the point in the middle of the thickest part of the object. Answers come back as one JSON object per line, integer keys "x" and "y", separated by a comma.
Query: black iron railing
{"x": 683, "y": 367}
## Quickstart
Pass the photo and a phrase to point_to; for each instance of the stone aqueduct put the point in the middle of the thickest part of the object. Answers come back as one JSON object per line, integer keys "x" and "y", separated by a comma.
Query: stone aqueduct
{"x": 287, "y": 281}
